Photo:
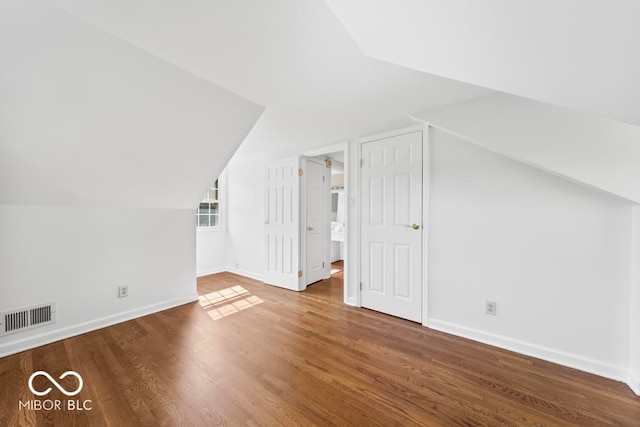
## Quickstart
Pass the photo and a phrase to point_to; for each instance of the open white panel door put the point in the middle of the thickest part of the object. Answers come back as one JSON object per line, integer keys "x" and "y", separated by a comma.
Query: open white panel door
{"x": 318, "y": 188}
{"x": 282, "y": 224}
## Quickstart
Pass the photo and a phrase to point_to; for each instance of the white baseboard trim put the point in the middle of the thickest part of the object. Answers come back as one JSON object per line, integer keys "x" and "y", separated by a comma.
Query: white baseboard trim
{"x": 245, "y": 273}
{"x": 211, "y": 271}
{"x": 634, "y": 383}
{"x": 351, "y": 301}
{"x": 581, "y": 363}
{"x": 34, "y": 341}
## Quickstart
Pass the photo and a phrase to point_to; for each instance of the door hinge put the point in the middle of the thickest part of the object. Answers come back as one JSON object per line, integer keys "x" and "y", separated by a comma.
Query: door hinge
{"x": 300, "y": 172}
{"x": 299, "y": 273}
{"x": 361, "y": 162}
{"x": 322, "y": 264}
{"x": 327, "y": 163}
{"x": 360, "y": 285}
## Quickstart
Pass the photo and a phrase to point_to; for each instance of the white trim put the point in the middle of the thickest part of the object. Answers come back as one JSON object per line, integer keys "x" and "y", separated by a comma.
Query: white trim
{"x": 223, "y": 215}
{"x": 351, "y": 301}
{"x": 575, "y": 361}
{"x": 339, "y": 166}
{"x": 357, "y": 243}
{"x": 216, "y": 229}
{"x": 245, "y": 273}
{"x": 302, "y": 225}
{"x": 634, "y": 383}
{"x": 426, "y": 229}
{"x": 211, "y": 271}
{"x": 392, "y": 133}
{"x": 633, "y": 380}
{"x": 327, "y": 222}
{"x": 326, "y": 149}
{"x": 92, "y": 325}
{"x": 348, "y": 190}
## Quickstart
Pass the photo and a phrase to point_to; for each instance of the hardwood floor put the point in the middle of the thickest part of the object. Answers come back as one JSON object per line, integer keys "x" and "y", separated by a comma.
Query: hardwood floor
{"x": 259, "y": 355}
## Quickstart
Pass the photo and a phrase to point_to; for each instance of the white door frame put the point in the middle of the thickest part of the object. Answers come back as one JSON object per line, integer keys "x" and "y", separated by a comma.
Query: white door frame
{"x": 348, "y": 263}
{"x": 302, "y": 249}
{"x": 426, "y": 235}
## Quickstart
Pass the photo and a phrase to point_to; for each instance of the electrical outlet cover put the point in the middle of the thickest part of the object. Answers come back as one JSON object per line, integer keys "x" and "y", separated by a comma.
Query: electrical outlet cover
{"x": 492, "y": 307}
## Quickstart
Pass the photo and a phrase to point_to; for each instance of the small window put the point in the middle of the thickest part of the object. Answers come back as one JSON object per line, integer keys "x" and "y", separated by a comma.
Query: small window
{"x": 208, "y": 213}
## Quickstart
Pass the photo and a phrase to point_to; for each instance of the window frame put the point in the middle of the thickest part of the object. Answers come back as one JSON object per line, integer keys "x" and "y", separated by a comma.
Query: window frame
{"x": 220, "y": 200}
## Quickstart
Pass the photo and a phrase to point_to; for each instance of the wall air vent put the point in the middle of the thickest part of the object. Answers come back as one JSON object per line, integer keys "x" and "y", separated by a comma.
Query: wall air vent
{"x": 27, "y": 318}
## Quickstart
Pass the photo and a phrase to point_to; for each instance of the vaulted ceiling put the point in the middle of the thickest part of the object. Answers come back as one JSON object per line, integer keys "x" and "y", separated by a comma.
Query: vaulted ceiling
{"x": 292, "y": 56}
{"x": 578, "y": 54}
{"x": 600, "y": 153}
{"x": 567, "y": 72}
{"x": 143, "y": 102}
{"x": 87, "y": 119}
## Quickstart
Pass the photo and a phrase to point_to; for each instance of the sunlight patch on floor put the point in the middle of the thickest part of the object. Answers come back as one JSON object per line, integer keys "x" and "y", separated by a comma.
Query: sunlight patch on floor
{"x": 228, "y": 301}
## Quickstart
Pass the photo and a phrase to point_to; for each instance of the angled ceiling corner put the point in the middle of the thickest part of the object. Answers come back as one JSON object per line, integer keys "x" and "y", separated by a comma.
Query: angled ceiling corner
{"x": 578, "y": 55}
{"x": 87, "y": 119}
{"x": 599, "y": 153}
{"x": 294, "y": 57}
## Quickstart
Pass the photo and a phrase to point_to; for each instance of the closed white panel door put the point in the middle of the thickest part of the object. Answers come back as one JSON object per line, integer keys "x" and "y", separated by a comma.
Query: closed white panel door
{"x": 391, "y": 244}
{"x": 316, "y": 228}
{"x": 282, "y": 224}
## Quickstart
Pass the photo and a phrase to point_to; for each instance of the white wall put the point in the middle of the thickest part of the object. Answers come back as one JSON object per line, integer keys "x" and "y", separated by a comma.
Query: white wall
{"x": 211, "y": 251}
{"x": 78, "y": 257}
{"x": 598, "y": 152}
{"x": 245, "y": 204}
{"x": 552, "y": 254}
{"x": 88, "y": 121}
{"x": 634, "y": 365}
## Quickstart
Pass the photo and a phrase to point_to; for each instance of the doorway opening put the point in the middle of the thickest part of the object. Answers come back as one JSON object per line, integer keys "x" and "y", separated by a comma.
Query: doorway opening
{"x": 331, "y": 289}
{"x": 334, "y": 208}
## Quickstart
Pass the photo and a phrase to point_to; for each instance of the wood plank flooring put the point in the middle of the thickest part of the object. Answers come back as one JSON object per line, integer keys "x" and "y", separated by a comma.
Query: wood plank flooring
{"x": 251, "y": 354}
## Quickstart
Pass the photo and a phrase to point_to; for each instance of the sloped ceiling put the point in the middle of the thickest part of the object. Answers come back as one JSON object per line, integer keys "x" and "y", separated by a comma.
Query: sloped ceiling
{"x": 601, "y": 153}
{"x": 578, "y": 54}
{"x": 567, "y": 72}
{"x": 292, "y": 56}
{"x": 89, "y": 120}
{"x": 143, "y": 102}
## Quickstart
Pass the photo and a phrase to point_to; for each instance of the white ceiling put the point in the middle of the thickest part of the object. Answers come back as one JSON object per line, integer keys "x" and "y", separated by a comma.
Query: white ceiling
{"x": 584, "y": 55}
{"x": 292, "y": 56}
{"x": 108, "y": 100}
{"x": 600, "y": 153}
{"x": 89, "y": 120}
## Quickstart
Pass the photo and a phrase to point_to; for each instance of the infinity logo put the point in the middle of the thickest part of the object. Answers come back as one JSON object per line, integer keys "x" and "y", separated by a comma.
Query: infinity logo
{"x": 47, "y": 391}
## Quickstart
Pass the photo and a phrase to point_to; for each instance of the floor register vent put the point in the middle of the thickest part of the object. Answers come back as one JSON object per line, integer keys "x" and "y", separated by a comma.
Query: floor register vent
{"x": 27, "y": 318}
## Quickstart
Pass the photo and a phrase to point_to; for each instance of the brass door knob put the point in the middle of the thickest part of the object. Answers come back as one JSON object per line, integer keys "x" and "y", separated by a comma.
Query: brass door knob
{"x": 415, "y": 226}
{"x": 309, "y": 228}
